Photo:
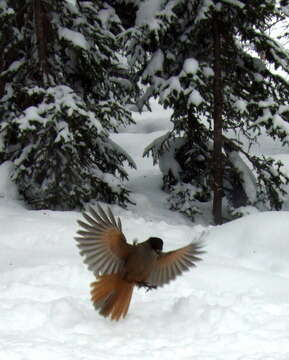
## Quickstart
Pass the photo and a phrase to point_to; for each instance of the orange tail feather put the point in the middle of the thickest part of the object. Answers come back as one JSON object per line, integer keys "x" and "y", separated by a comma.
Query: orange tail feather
{"x": 111, "y": 295}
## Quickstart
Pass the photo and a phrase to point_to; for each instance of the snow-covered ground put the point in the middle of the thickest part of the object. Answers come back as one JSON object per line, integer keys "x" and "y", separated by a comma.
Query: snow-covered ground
{"x": 233, "y": 306}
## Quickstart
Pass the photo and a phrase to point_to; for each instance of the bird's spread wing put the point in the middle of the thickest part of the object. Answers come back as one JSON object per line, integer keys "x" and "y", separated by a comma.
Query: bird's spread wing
{"x": 173, "y": 263}
{"x": 101, "y": 241}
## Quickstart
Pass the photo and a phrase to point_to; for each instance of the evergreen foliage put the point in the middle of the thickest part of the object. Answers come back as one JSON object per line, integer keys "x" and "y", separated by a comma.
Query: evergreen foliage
{"x": 63, "y": 87}
{"x": 171, "y": 47}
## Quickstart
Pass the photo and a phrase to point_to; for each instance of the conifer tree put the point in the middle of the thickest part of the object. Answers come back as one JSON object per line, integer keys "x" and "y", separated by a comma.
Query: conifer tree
{"x": 172, "y": 47}
{"x": 63, "y": 88}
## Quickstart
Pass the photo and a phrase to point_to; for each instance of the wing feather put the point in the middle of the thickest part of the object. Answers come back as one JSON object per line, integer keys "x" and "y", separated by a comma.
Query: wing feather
{"x": 119, "y": 225}
{"x": 173, "y": 263}
{"x": 101, "y": 241}
{"x": 111, "y": 217}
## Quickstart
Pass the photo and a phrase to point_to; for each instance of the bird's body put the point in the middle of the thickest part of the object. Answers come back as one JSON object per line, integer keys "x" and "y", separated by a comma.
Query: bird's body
{"x": 139, "y": 263}
{"x": 119, "y": 266}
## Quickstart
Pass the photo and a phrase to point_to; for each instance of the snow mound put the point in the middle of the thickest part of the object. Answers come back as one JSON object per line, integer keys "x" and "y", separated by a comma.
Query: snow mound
{"x": 234, "y": 305}
{"x": 258, "y": 241}
{"x": 7, "y": 188}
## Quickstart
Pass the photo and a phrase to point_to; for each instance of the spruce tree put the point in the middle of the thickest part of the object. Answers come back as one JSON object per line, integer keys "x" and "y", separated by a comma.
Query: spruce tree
{"x": 63, "y": 88}
{"x": 171, "y": 46}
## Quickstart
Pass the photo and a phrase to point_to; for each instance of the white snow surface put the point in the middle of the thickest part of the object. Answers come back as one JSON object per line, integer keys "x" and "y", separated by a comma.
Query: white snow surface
{"x": 74, "y": 37}
{"x": 147, "y": 11}
{"x": 190, "y": 66}
{"x": 233, "y": 306}
{"x": 155, "y": 65}
{"x": 195, "y": 98}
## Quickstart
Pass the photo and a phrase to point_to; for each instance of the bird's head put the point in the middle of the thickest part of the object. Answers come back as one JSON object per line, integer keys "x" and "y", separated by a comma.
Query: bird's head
{"x": 156, "y": 244}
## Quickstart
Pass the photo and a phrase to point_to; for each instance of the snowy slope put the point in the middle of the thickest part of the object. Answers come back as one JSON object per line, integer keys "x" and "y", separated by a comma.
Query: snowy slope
{"x": 233, "y": 306}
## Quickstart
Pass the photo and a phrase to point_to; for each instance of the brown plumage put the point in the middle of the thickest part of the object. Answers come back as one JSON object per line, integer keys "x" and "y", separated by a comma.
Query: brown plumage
{"x": 119, "y": 266}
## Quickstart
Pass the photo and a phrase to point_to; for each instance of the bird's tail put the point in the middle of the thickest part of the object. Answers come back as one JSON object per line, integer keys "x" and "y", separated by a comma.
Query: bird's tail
{"x": 111, "y": 295}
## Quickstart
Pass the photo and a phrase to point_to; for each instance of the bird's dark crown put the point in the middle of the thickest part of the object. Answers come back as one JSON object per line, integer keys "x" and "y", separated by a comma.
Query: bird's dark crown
{"x": 156, "y": 243}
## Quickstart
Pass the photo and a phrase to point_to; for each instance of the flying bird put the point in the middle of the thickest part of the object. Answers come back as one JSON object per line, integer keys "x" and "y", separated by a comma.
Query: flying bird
{"x": 120, "y": 266}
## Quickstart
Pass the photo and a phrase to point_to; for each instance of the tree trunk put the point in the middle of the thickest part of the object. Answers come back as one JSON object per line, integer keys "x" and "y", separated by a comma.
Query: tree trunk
{"x": 41, "y": 30}
{"x": 217, "y": 166}
{"x": 2, "y": 68}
